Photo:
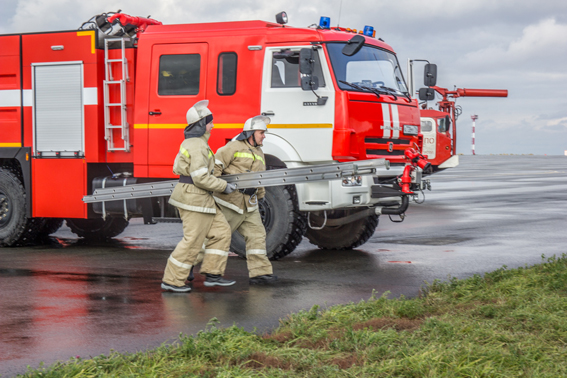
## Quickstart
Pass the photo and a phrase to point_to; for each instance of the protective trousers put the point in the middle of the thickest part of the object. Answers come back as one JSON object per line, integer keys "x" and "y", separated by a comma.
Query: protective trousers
{"x": 196, "y": 228}
{"x": 250, "y": 226}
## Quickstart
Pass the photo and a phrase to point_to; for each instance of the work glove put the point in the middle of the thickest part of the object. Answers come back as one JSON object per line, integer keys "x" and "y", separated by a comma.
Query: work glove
{"x": 229, "y": 188}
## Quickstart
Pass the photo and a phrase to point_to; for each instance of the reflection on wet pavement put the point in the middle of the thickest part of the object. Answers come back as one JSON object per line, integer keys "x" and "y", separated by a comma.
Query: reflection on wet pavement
{"x": 70, "y": 297}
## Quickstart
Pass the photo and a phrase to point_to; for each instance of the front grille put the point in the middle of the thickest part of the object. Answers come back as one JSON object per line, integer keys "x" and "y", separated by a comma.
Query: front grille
{"x": 402, "y": 142}
{"x": 384, "y": 152}
{"x": 383, "y": 149}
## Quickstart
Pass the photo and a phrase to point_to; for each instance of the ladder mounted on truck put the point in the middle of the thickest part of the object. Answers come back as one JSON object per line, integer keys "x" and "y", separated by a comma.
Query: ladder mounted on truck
{"x": 273, "y": 177}
{"x": 109, "y": 85}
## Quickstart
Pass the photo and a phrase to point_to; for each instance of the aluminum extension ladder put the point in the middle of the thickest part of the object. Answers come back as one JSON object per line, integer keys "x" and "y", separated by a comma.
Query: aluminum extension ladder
{"x": 108, "y": 84}
{"x": 273, "y": 177}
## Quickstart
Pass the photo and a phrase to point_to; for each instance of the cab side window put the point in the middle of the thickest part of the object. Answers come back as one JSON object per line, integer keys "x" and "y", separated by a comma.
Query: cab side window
{"x": 179, "y": 74}
{"x": 285, "y": 69}
{"x": 226, "y": 75}
{"x": 426, "y": 126}
{"x": 444, "y": 124}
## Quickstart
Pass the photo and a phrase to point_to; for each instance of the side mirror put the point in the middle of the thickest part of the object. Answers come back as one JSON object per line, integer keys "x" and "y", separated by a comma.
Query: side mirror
{"x": 306, "y": 65}
{"x": 306, "y": 61}
{"x": 430, "y": 75}
{"x": 447, "y": 123}
{"x": 309, "y": 83}
{"x": 353, "y": 45}
{"x": 426, "y": 94}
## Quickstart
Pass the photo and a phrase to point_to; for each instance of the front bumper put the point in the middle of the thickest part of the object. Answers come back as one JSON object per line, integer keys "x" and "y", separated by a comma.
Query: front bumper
{"x": 331, "y": 195}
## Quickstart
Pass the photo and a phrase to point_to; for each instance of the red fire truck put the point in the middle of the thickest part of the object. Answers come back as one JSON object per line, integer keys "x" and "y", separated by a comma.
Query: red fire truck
{"x": 439, "y": 127}
{"x": 105, "y": 106}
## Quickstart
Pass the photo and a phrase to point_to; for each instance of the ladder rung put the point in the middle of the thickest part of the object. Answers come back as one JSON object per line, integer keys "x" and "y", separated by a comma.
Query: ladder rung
{"x": 120, "y": 64}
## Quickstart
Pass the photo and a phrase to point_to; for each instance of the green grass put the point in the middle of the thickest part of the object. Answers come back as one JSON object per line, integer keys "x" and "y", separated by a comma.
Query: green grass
{"x": 509, "y": 323}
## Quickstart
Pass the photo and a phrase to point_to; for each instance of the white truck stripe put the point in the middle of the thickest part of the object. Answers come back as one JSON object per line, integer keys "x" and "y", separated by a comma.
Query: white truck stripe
{"x": 90, "y": 96}
{"x": 395, "y": 122}
{"x": 386, "y": 119}
{"x": 12, "y": 97}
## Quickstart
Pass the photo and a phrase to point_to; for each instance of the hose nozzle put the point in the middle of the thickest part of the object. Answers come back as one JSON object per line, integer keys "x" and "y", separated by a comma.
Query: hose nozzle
{"x": 417, "y": 159}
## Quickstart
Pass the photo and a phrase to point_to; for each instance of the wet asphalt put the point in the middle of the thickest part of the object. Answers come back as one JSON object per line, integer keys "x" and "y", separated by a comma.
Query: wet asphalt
{"x": 71, "y": 299}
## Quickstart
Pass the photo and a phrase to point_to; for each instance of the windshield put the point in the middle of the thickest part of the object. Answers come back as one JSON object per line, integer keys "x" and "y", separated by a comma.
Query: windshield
{"x": 370, "y": 67}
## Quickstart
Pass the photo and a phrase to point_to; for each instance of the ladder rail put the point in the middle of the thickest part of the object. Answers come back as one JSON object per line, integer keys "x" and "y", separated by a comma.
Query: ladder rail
{"x": 275, "y": 177}
{"x": 108, "y": 82}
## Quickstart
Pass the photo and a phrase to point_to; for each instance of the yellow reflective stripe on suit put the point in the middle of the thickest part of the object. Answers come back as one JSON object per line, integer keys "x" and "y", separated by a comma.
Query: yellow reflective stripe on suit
{"x": 184, "y": 152}
{"x": 249, "y": 156}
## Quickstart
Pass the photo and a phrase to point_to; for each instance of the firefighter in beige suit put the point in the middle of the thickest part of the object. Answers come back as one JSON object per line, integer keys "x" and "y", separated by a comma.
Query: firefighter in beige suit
{"x": 240, "y": 207}
{"x": 201, "y": 217}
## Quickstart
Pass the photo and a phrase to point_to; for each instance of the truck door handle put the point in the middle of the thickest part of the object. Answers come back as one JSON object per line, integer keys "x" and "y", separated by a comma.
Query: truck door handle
{"x": 155, "y": 113}
{"x": 269, "y": 113}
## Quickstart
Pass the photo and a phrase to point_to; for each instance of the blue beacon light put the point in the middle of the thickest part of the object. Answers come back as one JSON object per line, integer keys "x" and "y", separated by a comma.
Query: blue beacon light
{"x": 325, "y": 22}
{"x": 369, "y": 31}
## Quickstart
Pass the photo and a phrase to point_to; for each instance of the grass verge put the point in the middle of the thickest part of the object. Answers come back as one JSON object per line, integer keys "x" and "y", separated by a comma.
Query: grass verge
{"x": 509, "y": 323}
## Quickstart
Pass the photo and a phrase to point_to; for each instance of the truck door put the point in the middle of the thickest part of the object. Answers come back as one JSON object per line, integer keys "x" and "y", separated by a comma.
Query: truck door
{"x": 177, "y": 81}
{"x": 429, "y": 131}
{"x": 296, "y": 117}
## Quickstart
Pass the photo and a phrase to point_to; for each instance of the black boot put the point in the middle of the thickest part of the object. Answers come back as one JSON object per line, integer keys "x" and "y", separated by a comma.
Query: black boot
{"x": 190, "y": 278}
{"x": 175, "y": 289}
{"x": 217, "y": 280}
{"x": 264, "y": 279}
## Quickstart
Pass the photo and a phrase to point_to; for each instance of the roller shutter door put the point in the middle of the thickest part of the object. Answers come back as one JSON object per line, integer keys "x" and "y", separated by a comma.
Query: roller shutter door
{"x": 58, "y": 110}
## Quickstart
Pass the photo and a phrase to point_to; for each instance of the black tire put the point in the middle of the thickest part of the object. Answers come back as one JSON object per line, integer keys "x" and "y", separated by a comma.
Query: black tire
{"x": 97, "y": 229}
{"x": 346, "y": 236}
{"x": 49, "y": 226}
{"x": 285, "y": 224}
{"x": 15, "y": 227}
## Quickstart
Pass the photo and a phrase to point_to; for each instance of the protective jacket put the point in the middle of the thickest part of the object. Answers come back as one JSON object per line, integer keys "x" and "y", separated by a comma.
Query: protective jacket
{"x": 237, "y": 157}
{"x": 196, "y": 160}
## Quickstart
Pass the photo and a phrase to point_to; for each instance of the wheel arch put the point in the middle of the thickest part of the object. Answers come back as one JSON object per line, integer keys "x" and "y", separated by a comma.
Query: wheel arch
{"x": 280, "y": 149}
{"x": 272, "y": 162}
{"x": 19, "y": 160}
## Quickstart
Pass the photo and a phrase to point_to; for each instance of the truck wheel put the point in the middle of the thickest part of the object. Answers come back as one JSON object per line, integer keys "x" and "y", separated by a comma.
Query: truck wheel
{"x": 285, "y": 224}
{"x": 346, "y": 236}
{"x": 15, "y": 227}
{"x": 49, "y": 226}
{"x": 97, "y": 229}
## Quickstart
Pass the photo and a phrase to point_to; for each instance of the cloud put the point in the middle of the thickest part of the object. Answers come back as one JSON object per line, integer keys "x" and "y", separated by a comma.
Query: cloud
{"x": 504, "y": 44}
{"x": 539, "y": 49}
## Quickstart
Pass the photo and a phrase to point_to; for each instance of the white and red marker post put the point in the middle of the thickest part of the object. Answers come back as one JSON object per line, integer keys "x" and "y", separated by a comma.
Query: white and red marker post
{"x": 474, "y": 118}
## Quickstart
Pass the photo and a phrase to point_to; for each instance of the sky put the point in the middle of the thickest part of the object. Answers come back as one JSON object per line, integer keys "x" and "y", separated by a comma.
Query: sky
{"x": 520, "y": 46}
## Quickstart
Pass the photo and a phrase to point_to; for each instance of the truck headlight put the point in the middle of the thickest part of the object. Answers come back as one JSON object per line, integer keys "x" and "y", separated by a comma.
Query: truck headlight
{"x": 352, "y": 181}
{"x": 410, "y": 130}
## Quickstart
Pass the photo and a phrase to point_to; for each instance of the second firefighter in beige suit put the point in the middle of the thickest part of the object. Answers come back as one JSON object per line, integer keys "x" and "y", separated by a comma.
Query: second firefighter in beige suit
{"x": 240, "y": 207}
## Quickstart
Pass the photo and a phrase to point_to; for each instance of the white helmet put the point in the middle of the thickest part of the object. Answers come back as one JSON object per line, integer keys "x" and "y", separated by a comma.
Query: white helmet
{"x": 252, "y": 124}
{"x": 256, "y": 123}
{"x": 198, "y": 112}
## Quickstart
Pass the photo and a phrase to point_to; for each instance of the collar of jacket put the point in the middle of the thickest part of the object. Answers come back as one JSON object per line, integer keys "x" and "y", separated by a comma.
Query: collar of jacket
{"x": 206, "y": 137}
{"x": 249, "y": 145}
